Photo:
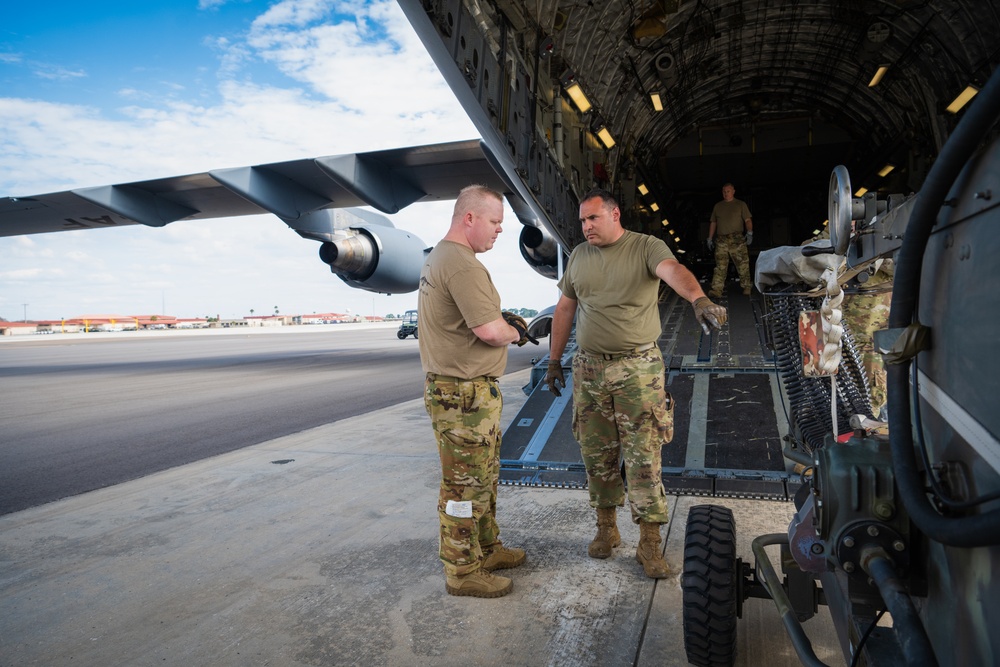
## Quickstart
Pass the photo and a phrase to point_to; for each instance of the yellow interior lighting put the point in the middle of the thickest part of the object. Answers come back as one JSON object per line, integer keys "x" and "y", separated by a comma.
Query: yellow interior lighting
{"x": 654, "y": 206}
{"x": 643, "y": 190}
{"x": 576, "y": 94}
{"x": 861, "y": 192}
{"x": 962, "y": 99}
{"x": 885, "y": 171}
{"x": 657, "y": 102}
{"x": 606, "y": 138}
{"x": 878, "y": 76}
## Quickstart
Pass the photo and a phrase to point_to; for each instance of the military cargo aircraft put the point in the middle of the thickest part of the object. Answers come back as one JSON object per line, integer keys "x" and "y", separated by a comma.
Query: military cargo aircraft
{"x": 836, "y": 110}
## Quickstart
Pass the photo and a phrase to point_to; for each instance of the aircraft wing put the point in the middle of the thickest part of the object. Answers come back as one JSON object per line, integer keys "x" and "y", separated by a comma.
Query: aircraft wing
{"x": 315, "y": 197}
{"x": 387, "y": 180}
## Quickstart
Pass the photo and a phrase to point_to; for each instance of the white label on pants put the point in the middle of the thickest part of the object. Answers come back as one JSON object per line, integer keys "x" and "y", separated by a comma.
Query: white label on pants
{"x": 462, "y": 510}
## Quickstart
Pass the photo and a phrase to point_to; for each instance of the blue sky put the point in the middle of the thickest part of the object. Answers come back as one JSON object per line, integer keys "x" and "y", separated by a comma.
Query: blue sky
{"x": 108, "y": 92}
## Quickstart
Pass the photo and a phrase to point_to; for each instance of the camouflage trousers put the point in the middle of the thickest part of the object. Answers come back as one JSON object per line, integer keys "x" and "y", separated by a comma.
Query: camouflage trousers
{"x": 619, "y": 413}
{"x": 465, "y": 415}
{"x": 864, "y": 314}
{"x": 730, "y": 246}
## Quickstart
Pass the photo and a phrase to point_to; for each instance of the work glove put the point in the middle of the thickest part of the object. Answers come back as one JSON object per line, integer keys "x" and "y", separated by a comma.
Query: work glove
{"x": 709, "y": 314}
{"x": 711, "y": 244}
{"x": 520, "y": 325}
{"x": 554, "y": 377}
{"x": 749, "y": 238}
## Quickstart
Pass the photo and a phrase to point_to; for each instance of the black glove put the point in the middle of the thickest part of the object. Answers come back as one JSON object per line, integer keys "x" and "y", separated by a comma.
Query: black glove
{"x": 520, "y": 325}
{"x": 709, "y": 314}
{"x": 554, "y": 377}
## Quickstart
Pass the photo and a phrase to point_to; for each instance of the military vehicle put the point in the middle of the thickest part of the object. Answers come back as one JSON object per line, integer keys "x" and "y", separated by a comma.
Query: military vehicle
{"x": 904, "y": 523}
{"x": 408, "y": 327}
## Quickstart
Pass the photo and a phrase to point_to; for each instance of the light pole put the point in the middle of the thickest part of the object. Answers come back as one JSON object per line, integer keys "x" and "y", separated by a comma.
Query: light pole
{"x": 26, "y": 311}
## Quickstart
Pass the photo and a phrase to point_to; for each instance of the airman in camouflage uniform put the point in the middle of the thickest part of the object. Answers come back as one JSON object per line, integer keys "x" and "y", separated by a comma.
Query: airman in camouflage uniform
{"x": 726, "y": 225}
{"x": 730, "y": 247}
{"x": 864, "y": 314}
{"x": 466, "y": 419}
{"x": 463, "y": 349}
{"x": 620, "y": 412}
{"x": 635, "y": 381}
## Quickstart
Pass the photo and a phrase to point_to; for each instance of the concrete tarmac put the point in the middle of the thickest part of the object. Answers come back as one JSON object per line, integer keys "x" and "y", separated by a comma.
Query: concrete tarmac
{"x": 320, "y": 548}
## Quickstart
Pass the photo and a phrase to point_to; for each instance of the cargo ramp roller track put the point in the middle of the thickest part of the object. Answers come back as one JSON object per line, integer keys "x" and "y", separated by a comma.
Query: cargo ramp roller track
{"x": 731, "y": 414}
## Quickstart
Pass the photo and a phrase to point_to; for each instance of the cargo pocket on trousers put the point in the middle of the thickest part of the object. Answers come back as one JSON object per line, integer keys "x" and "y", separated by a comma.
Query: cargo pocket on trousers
{"x": 665, "y": 418}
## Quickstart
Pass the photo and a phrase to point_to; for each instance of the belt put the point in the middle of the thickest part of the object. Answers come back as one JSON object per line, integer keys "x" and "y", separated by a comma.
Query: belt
{"x": 730, "y": 234}
{"x": 628, "y": 353}
{"x": 435, "y": 377}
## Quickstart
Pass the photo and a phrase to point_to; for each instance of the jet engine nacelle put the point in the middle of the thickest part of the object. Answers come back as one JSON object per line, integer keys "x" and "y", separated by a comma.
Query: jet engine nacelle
{"x": 377, "y": 259}
{"x": 540, "y": 250}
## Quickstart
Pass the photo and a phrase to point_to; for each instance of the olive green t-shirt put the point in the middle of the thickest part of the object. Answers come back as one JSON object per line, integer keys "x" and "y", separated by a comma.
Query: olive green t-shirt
{"x": 457, "y": 295}
{"x": 729, "y": 216}
{"x": 615, "y": 288}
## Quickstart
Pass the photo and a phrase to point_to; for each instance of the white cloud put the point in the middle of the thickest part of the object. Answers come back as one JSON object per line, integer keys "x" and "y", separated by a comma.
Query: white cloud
{"x": 56, "y": 72}
{"x": 351, "y": 93}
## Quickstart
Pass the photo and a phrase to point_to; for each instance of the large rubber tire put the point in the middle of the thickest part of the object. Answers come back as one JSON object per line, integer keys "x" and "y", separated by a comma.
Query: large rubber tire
{"x": 415, "y": 334}
{"x": 709, "y": 587}
{"x": 400, "y": 335}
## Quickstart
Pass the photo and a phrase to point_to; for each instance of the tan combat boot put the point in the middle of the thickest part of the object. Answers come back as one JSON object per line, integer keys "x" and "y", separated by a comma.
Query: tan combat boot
{"x": 607, "y": 537}
{"x": 479, "y": 584}
{"x": 503, "y": 558}
{"x": 649, "y": 554}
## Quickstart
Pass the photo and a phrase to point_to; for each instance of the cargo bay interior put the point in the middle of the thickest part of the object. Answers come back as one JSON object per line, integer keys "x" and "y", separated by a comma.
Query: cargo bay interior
{"x": 662, "y": 102}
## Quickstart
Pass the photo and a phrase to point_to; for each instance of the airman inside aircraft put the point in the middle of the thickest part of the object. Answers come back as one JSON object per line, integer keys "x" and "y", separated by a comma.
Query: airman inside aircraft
{"x": 463, "y": 350}
{"x": 620, "y": 407}
{"x": 864, "y": 313}
{"x": 726, "y": 237}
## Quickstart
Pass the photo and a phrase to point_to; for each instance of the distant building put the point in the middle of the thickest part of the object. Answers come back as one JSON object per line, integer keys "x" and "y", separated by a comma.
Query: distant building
{"x": 18, "y": 328}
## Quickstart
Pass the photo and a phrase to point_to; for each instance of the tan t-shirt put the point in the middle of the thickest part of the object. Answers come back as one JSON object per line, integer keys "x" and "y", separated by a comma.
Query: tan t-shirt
{"x": 729, "y": 216}
{"x": 615, "y": 288}
{"x": 457, "y": 295}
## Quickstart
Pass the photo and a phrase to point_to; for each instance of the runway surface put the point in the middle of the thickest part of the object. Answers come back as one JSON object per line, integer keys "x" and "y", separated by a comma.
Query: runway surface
{"x": 320, "y": 548}
{"x": 86, "y": 411}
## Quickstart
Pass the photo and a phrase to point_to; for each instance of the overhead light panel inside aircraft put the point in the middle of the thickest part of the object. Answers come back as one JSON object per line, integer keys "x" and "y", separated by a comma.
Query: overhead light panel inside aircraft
{"x": 861, "y": 192}
{"x": 878, "y": 76}
{"x": 576, "y": 94}
{"x": 654, "y": 206}
{"x": 886, "y": 170}
{"x": 643, "y": 190}
{"x": 605, "y": 136}
{"x": 962, "y": 99}
{"x": 657, "y": 102}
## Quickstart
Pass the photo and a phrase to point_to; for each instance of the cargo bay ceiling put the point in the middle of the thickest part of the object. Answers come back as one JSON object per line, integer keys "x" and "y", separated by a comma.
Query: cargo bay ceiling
{"x": 769, "y": 95}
